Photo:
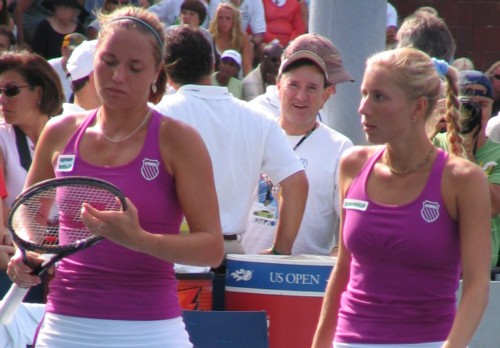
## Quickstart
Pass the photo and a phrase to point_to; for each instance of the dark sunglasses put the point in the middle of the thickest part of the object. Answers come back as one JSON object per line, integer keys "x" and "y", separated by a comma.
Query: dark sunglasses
{"x": 118, "y": 2}
{"x": 496, "y": 77}
{"x": 11, "y": 91}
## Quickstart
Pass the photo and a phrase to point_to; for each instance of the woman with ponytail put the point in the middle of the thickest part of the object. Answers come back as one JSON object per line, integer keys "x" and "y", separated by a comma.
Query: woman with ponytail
{"x": 475, "y": 108}
{"x": 414, "y": 219}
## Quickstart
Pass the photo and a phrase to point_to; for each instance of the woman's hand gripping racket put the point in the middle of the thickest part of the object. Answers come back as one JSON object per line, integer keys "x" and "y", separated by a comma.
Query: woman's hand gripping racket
{"x": 34, "y": 223}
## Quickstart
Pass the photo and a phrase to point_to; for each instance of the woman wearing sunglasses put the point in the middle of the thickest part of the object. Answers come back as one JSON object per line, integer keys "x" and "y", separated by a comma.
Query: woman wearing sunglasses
{"x": 30, "y": 93}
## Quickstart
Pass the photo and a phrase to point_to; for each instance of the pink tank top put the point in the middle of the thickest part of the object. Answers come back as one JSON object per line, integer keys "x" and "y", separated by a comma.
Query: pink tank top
{"x": 405, "y": 265}
{"x": 108, "y": 281}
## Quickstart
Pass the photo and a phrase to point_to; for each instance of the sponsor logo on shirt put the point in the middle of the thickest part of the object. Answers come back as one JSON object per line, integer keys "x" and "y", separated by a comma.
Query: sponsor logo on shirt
{"x": 430, "y": 211}
{"x": 355, "y": 204}
{"x": 150, "y": 168}
{"x": 65, "y": 163}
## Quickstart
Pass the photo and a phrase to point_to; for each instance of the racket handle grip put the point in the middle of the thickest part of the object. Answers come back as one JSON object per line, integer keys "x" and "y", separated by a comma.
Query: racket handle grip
{"x": 11, "y": 302}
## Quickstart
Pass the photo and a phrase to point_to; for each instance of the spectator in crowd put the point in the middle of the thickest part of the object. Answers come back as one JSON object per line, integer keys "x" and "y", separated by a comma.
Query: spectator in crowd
{"x": 194, "y": 13}
{"x": 485, "y": 153}
{"x": 283, "y": 20}
{"x": 7, "y": 39}
{"x": 115, "y": 143}
{"x": 429, "y": 33}
{"x": 463, "y": 63}
{"x": 391, "y": 26}
{"x": 256, "y": 82}
{"x": 493, "y": 73}
{"x": 27, "y": 15}
{"x": 81, "y": 74}
{"x": 304, "y": 86}
{"x": 476, "y": 92}
{"x": 336, "y": 73}
{"x": 50, "y": 32}
{"x": 252, "y": 16}
{"x": 70, "y": 42}
{"x": 226, "y": 30}
{"x": 168, "y": 11}
{"x": 229, "y": 67}
{"x": 31, "y": 94}
{"x": 242, "y": 142}
{"x": 405, "y": 197}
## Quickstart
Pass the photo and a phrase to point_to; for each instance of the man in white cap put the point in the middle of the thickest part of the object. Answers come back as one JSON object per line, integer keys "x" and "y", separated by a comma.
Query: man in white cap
{"x": 309, "y": 70}
{"x": 80, "y": 69}
{"x": 229, "y": 68}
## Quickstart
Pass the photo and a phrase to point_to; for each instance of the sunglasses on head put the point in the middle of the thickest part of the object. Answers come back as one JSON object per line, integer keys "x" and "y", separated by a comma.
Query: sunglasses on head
{"x": 11, "y": 91}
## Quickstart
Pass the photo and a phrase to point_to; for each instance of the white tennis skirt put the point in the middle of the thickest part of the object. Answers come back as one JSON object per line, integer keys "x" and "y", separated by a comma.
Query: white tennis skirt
{"x": 60, "y": 331}
{"x": 412, "y": 345}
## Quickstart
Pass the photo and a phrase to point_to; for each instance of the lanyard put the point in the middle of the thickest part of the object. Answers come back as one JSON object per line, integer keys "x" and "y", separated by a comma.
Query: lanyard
{"x": 304, "y": 137}
{"x": 270, "y": 184}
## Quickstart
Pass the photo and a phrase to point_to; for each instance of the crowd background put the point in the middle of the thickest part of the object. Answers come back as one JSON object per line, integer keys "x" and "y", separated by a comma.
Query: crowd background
{"x": 248, "y": 40}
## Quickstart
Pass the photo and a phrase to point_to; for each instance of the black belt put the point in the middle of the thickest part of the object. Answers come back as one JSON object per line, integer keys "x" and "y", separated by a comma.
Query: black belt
{"x": 230, "y": 237}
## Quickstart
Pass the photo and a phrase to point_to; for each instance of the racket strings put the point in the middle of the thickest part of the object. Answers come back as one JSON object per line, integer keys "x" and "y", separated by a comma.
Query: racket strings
{"x": 37, "y": 221}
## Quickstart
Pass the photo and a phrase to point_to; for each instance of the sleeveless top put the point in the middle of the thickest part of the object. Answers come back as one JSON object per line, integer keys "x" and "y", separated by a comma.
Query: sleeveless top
{"x": 108, "y": 281}
{"x": 405, "y": 266}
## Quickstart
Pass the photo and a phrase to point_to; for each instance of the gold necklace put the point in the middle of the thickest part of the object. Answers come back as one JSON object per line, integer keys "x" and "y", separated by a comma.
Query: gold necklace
{"x": 406, "y": 172}
{"x": 128, "y": 136}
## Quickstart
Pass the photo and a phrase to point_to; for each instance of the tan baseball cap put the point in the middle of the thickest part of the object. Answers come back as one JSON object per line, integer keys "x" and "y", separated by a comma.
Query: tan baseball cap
{"x": 323, "y": 48}
{"x": 304, "y": 54}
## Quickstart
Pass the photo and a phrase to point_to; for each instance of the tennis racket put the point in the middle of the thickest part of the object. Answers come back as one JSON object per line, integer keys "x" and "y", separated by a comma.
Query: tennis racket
{"x": 34, "y": 224}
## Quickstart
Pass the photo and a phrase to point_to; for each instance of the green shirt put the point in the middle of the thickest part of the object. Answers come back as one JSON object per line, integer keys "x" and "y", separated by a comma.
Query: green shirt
{"x": 488, "y": 158}
{"x": 235, "y": 86}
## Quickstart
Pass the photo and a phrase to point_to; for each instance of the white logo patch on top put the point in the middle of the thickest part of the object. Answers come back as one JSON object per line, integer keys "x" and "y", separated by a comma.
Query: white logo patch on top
{"x": 65, "y": 163}
{"x": 355, "y": 204}
{"x": 430, "y": 211}
{"x": 150, "y": 169}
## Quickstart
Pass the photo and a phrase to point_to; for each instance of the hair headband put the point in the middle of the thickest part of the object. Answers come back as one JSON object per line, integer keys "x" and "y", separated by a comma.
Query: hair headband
{"x": 144, "y": 24}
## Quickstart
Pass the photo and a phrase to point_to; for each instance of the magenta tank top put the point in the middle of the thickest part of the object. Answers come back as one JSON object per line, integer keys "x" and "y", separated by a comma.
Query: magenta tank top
{"x": 108, "y": 281}
{"x": 405, "y": 265}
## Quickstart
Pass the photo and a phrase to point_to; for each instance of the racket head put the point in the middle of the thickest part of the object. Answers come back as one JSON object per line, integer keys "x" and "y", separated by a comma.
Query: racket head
{"x": 35, "y": 214}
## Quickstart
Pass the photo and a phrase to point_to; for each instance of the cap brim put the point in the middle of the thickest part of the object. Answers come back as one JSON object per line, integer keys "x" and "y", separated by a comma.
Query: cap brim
{"x": 340, "y": 75}
{"x": 303, "y": 55}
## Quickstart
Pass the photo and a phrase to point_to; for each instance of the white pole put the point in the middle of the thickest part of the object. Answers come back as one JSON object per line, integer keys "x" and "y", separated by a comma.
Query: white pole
{"x": 357, "y": 28}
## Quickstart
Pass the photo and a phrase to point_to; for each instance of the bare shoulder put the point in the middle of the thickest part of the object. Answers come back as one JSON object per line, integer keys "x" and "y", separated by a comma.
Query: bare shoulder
{"x": 177, "y": 130}
{"x": 66, "y": 122}
{"x": 464, "y": 181}
{"x": 178, "y": 137}
{"x": 354, "y": 158}
{"x": 462, "y": 173}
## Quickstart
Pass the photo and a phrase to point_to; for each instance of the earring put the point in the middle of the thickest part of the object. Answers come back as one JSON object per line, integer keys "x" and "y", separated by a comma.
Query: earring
{"x": 153, "y": 87}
